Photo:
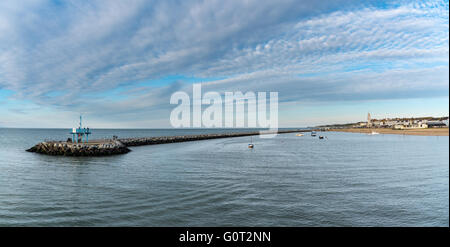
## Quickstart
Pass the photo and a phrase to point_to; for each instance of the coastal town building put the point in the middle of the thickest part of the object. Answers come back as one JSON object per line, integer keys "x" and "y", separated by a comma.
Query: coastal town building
{"x": 436, "y": 124}
{"x": 395, "y": 123}
{"x": 403, "y": 123}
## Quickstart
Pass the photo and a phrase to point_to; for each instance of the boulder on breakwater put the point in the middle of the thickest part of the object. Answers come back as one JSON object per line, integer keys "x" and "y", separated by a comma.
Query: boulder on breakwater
{"x": 80, "y": 149}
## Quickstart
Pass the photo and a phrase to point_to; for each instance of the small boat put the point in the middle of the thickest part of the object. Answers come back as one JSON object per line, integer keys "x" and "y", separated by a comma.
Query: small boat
{"x": 374, "y": 133}
{"x": 251, "y": 143}
{"x": 299, "y": 134}
{"x": 313, "y": 133}
{"x": 320, "y": 137}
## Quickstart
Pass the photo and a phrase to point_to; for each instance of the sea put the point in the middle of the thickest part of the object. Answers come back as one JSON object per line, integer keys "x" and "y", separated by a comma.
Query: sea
{"x": 345, "y": 179}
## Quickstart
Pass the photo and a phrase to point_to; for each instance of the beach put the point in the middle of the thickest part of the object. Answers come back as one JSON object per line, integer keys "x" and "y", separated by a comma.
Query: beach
{"x": 418, "y": 132}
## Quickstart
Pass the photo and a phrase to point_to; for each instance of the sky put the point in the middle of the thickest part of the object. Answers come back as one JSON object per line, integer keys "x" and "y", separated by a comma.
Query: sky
{"x": 118, "y": 62}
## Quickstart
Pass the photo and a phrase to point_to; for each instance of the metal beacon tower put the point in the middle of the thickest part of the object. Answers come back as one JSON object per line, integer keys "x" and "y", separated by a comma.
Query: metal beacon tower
{"x": 80, "y": 134}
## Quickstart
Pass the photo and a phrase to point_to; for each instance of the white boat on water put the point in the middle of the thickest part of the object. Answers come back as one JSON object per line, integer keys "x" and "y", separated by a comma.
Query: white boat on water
{"x": 373, "y": 133}
{"x": 250, "y": 145}
{"x": 299, "y": 134}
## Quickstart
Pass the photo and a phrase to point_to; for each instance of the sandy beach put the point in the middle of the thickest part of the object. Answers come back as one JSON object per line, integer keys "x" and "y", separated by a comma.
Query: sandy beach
{"x": 419, "y": 132}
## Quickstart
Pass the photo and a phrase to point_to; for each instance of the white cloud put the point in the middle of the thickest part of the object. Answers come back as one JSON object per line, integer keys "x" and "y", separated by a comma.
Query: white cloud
{"x": 306, "y": 50}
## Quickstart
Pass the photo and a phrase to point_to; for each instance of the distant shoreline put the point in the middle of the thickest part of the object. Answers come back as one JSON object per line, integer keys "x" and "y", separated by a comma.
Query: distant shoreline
{"x": 417, "y": 132}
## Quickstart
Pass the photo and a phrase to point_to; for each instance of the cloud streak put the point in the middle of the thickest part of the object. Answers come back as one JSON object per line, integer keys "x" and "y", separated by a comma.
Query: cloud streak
{"x": 64, "y": 55}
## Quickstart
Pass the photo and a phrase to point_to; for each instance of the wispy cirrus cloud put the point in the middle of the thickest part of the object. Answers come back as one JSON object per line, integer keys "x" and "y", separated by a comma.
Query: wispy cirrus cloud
{"x": 63, "y": 55}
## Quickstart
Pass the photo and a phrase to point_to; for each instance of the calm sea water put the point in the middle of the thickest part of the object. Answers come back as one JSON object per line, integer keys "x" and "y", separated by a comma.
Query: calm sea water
{"x": 345, "y": 180}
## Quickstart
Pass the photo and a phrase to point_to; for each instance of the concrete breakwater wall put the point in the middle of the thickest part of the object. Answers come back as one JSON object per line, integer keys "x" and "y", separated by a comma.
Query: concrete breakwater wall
{"x": 120, "y": 146}
{"x": 72, "y": 149}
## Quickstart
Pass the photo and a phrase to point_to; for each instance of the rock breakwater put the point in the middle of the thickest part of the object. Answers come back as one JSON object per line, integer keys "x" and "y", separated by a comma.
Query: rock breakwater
{"x": 120, "y": 146}
{"x": 139, "y": 141}
{"x": 73, "y": 149}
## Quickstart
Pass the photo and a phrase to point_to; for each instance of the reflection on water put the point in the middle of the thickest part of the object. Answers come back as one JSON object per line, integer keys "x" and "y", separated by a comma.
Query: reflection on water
{"x": 345, "y": 180}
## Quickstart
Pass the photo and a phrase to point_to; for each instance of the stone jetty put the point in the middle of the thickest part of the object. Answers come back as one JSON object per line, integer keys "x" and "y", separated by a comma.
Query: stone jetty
{"x": 139, "y": 141}
{"x": 102, "y": 148}
{"x": 120, "y": 146}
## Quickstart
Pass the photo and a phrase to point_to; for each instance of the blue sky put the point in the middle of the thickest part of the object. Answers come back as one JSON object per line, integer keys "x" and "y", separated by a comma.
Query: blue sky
{"x": 118, "y": 62}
